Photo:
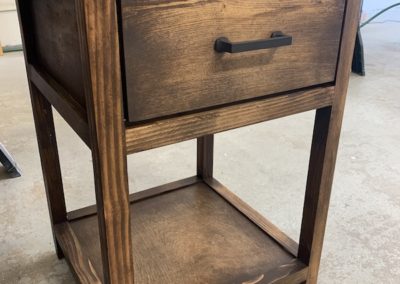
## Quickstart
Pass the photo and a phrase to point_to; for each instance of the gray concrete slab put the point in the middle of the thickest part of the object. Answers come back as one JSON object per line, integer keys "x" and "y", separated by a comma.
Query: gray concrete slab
{"x": 265, "y": 164}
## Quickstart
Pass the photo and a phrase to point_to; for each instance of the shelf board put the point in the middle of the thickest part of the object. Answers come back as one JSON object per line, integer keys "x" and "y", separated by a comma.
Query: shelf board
{"x": 190, "y": 235}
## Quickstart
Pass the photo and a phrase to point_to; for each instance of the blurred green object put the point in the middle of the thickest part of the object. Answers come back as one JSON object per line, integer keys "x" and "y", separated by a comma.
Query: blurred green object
{"x": 12, "y": 48}
{"x": 378, "y": 14}
{"x": 358, "y": 65}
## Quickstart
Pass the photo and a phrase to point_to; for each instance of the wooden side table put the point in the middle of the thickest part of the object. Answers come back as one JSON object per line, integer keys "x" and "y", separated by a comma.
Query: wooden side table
{"x": 132, "y": 75}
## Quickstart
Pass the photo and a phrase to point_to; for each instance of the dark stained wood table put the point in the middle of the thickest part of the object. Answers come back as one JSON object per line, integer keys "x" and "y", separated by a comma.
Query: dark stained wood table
{"x": 133, "y": 75}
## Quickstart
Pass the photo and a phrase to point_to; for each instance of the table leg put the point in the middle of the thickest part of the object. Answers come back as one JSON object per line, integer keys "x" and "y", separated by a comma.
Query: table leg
{"x": 205, "y": 156}
{"x": 46, "y": 136}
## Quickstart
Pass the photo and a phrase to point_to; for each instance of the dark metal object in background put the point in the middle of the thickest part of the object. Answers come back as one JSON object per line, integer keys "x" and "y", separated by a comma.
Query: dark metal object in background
{"x": 9, "y": 163}
{"x": 358, "y": 65}
{"x": 277, "y": 39}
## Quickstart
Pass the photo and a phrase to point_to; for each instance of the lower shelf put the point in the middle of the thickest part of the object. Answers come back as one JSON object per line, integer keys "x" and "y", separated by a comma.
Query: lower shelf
{"x": 190, "y": 235}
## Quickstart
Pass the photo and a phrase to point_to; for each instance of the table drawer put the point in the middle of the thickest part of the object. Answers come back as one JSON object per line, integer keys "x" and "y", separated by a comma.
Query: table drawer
{"x": 171, "y": 62}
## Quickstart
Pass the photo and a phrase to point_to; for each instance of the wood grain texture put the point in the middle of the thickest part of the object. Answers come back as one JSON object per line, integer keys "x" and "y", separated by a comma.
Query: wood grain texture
{"x": 153, "y": 192}
{"x": 100, "y": 54}
{"x": 45, "y": 132}
{"x": 56, "y": 44}
{"x": 47, "y": 142}
{"x": 193, "y": 235}
{"x": 324, "y": 152}
{"x": 286, "y": 242}
{"x": 164, "y": 132}
{"x": 171, "y": 66}
{"x": 82, "y": 267}
{"x": 293, "y": 278}
{"x": 72, "y": 112}
{"x": 188, "y": 231}
{"x": 137, "y": 196}
{"x": 205, "y": 156}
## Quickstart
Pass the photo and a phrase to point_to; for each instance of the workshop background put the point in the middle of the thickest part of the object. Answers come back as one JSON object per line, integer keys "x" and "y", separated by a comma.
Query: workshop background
{"x": 363, "y": 230}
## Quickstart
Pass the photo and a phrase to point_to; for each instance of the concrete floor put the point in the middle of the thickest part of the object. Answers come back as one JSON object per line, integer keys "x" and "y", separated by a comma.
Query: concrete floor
{"x": 265, "y": 164}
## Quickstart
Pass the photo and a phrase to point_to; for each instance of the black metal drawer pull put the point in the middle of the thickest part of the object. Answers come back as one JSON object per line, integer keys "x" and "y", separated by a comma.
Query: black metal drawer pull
{"x": 277, "y": 39}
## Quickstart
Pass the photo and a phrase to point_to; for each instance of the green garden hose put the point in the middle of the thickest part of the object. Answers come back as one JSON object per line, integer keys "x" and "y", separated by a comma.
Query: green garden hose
{"x": 378, "y": 14}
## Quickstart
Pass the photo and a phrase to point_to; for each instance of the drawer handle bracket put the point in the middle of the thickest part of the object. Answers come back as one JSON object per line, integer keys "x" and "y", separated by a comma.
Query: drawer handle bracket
{"x": 277, "y": 39}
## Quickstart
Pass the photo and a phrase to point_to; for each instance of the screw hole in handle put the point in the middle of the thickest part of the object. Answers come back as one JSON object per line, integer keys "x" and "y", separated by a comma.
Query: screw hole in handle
{"x": 277, "y": 39}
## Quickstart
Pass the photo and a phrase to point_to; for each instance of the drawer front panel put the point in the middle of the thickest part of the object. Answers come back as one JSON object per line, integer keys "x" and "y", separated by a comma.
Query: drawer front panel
{"x": 171, "y": 65}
